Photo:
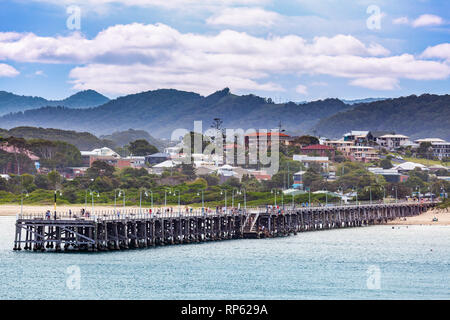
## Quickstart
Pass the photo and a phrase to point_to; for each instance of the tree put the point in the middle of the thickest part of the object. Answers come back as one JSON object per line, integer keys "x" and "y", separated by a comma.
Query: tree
{"x": 424, "y": 149}
{"x": 100, "y": 168}
{"x": 386, "y": 164}
{"x": 141, "y": 147}
{"x": 41, "y": 181}
{"x": 54, "y": 179}
{"x": 188, "y": 170}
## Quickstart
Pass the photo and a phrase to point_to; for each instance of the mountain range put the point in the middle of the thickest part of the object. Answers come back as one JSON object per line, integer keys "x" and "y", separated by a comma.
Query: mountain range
{"x": 10, "y": 102}
{"x": 160, "y": 112}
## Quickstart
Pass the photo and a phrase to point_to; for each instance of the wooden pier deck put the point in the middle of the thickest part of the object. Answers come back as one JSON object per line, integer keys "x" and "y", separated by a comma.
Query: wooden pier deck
{"x": 111, "y": 231}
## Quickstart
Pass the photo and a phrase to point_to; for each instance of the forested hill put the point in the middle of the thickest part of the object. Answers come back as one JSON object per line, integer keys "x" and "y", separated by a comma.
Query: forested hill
{"x": 423, "y": 116}
{"x": 10, "y": 102}
{"x": 82, "y": 140}
{"x": 162, "y": 111}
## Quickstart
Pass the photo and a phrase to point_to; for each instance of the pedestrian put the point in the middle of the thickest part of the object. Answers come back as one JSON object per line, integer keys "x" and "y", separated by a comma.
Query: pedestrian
{"x": 70, "y": 213}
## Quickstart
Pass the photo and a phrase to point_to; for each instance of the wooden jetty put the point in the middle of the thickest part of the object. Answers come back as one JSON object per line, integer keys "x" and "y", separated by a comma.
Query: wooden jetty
{"x": 129, "y": 230}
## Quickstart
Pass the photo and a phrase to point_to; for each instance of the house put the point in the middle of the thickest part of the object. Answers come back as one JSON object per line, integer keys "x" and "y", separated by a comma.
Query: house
{"x": 256, "y": 139}
{"x": 339, "y": 143}
{"x": 298, "y": 179}
{"x": 441, "y": 150}
{"x": 430, "y": 140}
{"x": 360, "y": 138}
{"x": 103, "y": 154}
{"x": 405, "y": 167}
{"x": 390, "y": 175}
{"x": 136, "y": 161}
{"x": 156, "y": 158}
{"x": 307, "y": 161}
{"x": 392, "y": 141}
{"x": 73, "y": 172}
{"x": 319, "y": 150}
{"x": 359, "y": 153}
{"x": 226, "y": 172}
{"x": 163, "y": 166}
{"x": 13, "y": 167}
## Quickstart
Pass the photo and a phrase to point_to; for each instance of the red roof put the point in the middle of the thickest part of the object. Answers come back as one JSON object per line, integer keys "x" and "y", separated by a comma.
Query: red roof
{"x": 317, "y": 147}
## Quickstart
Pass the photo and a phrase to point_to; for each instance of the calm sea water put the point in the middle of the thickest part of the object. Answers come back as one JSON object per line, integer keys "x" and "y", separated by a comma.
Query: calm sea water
{"x": 410, "y": 263}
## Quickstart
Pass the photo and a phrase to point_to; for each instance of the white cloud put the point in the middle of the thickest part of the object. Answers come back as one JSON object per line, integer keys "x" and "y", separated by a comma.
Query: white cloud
{"x": 130, "y": 58}
{"x": 376, "y": 83}
{"x": 301, "y": 89}
{"x": 7, "y": 71}
{"x": 426, "y": 20}
{"x": 244, "y": 16}
{"x": 401, "y": 20}
{"x": 441, "y": 51}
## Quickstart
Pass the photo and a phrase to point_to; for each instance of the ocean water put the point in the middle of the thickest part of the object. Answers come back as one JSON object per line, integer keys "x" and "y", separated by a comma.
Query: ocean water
{"x": 378, "y": 262}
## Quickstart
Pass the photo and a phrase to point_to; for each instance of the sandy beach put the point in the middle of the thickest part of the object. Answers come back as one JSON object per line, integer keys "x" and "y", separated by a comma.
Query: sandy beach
{"x": 425, "y": 219}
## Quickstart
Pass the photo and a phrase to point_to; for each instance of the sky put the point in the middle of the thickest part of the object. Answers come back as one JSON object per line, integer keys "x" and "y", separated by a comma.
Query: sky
{"x": 298, "y": 50}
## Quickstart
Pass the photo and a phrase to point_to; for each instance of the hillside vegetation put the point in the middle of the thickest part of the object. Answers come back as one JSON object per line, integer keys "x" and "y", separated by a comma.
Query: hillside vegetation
{"x": 418, "y": 117}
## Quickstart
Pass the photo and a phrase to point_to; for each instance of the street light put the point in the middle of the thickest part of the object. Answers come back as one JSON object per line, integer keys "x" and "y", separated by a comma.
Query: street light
{"x": 92, "y": 192}
{"x": 21, "y": 200}
{"x": 396, "y": 193}
{"x": 245, "y": 198}
{"x": 203, "y": 199}
{"x": 179, "y": 200}
{"x": 370, "y": 190}
{"x": 140, "y": 197}
{"x": 60, "y": 194}
{"x": 232, "y": 195}
{"x": 118, "y": 195}
{"x": 356, "y": 191}
{"x": 274, "y": 192}
{"x": 221, "y": 193}
{"x": 384, "y": 193}
{"x": 418, "y": 188}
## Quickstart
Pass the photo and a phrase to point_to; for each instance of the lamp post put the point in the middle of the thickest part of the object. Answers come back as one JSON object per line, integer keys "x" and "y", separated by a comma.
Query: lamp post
{"x": 384, "y": 193}
{"x": 418, "y": 188}
{"x": 396, "y": 193}
{"x": 222, "y": 191}
{"x": 232, "y": 195}
{"x": 370, "y": 191}
{"x": 92, "y": 196}
{"x": 60, "y": 194}
{"x": 140, "y": 198}
{"x": 356, "y": 191}
{"x": 245, "y": 198}
{"x": 115, "y": 198}
{"x": 21, "y": 200}
{"x": 203, "y": 199}
{"x": 274, "y": 192}
{"x": 309, "y": 196}
{"x": 179, "y": 200}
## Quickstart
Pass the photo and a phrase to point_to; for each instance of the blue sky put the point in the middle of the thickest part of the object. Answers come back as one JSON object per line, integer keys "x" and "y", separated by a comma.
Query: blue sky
{"x": 288, "y": 50}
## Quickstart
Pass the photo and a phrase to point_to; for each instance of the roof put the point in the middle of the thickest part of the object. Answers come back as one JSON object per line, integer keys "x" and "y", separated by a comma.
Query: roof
{"x": 429, "y": 140}
{"x": 105, "y": 151}
{"x": 258, "y": 134}
{"x": 317, "y": 147}
{"x": 394, "y": 136}
{"x": 409, "y": 166}
{"x": 305, "y": 158}
{"x": 165, "y": 164}
{"x": 159, "y": 155}
{"x": 357, "y": 133}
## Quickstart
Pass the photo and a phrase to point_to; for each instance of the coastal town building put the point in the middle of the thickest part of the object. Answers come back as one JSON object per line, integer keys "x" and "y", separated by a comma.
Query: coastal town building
{"x": 319, "y": 150}
{"x": 307, "y": 161}
{"x": 441, "y": 150}
{"x": 392, "y": 141}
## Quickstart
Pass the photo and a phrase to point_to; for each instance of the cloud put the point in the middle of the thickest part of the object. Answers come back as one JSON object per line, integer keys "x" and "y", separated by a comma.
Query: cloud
{"x": 441, "y": 51}
{"x": 427, "y": 20}
{"x": 134, "y": 57}
{"x": 7, "y": 71}
{"x": 401, "y": 20}
{"x": 301, "y": 89}
{"x": 244, "y": 16}
{"x": 376, "y": 83}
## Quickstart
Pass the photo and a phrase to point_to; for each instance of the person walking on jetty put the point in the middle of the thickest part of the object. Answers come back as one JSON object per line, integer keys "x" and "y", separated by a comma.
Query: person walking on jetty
{"x": 47, "y": 215}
